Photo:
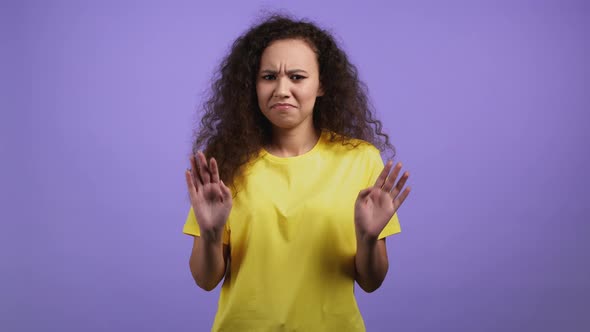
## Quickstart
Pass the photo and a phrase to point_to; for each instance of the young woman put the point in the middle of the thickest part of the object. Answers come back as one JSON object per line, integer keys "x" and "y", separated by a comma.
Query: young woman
{"x": 291, "y": 202}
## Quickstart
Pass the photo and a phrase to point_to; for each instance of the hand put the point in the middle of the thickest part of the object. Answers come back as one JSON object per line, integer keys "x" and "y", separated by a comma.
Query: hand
{"x": 210, "y": 198}
{"x": 376, "y": 205}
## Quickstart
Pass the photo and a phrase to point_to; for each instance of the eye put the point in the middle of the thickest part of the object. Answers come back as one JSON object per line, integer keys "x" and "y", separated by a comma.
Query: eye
{"x": 269, "y": 77}
{"x": 297, "y": 77}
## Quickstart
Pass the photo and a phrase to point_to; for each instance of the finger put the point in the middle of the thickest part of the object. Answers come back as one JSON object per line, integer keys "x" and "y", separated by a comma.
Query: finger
{"x": 203, "y": 168}
{"x": 197, "y": 182}
{"x": 381, "y": 179}
{"x": 400, "y": 185}
{"x": 365, "y": 192}
{"x": 225, "y": 192}
{"x": 192, "y": 191}
{"x": 392, "y": 177}
{"x": 214, "y": 170}
{"x": 400, "y": 200}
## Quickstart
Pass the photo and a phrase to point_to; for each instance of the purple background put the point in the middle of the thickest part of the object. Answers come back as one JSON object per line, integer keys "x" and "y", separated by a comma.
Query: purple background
{"x": 487, "y": 103}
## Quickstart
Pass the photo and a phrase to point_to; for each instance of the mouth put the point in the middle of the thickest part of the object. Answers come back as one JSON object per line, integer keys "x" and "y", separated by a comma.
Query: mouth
{"x": 281, "y": 106}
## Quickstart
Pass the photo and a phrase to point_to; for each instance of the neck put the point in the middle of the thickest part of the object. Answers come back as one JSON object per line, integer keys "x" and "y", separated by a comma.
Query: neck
{"x": 293, "y": 142}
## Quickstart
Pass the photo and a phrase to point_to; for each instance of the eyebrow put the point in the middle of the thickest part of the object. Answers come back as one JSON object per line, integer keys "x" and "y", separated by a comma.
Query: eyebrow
{"x": 292, "y": 71}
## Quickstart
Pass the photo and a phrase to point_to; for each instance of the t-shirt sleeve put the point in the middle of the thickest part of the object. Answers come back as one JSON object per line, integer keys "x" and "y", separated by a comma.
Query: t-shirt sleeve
{"x": 191, "y": 227}
{"x": 375, "y": 167}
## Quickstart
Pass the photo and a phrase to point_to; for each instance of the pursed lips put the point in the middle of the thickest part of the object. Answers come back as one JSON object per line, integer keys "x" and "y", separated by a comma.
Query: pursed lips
{"x": 281, "y": 105}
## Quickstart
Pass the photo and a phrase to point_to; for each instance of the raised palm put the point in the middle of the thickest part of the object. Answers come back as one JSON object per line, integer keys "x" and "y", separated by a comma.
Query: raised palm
{"x": 210, "y": 198}
{"x": 375, "y": 205}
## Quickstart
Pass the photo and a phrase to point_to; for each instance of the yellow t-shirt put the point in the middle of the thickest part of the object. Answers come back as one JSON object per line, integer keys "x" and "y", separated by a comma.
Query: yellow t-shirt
{"x": 292, "y": 240}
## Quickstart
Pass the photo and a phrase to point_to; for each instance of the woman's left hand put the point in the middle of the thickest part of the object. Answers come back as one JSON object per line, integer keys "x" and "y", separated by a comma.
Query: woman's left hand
{"x": 376, "y": 205}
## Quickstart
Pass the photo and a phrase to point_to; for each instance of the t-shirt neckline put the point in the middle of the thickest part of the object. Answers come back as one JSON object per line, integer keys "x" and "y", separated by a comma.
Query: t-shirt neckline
{"x": 267, "y": 155}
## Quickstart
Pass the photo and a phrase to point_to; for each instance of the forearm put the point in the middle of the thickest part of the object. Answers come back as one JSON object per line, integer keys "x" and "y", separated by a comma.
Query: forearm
{"x": 371, "y": 263}
{"x": 207, "y": 262}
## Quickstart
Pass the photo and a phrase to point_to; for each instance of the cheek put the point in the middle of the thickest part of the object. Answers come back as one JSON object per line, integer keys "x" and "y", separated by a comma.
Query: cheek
{"x": 308, "y": 94}
{"x": 264, "y": 89}
{"x": 261, "y": 94}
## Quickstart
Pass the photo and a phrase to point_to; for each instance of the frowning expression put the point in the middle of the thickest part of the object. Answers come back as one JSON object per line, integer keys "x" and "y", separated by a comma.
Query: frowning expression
{"x": 288, "y": 83}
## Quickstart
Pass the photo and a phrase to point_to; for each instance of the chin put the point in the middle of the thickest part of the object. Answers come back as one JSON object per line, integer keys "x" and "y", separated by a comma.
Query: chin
{"x": 289, "y": 121}
{"x": 282, "y": 125}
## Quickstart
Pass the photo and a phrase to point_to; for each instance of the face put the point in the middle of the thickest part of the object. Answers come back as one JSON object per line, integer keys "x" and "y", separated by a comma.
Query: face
{"x": 288, "y": 83}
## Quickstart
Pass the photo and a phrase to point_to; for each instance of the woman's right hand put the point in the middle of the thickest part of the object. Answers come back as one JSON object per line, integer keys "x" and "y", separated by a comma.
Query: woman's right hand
{"x": 210, "y": 198}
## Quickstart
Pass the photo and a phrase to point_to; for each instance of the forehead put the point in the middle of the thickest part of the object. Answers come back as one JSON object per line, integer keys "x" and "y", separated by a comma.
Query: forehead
{"x": 289, "y": 52}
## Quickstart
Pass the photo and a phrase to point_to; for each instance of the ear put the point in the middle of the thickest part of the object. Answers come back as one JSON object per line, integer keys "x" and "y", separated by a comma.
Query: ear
{"x": 320, "y": 91}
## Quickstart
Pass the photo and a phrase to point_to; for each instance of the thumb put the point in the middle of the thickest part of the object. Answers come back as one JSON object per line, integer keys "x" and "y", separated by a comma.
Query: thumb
{"x": 364, "y": 193}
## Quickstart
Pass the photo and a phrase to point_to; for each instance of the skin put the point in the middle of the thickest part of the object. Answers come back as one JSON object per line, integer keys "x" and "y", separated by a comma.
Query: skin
{"x": 289, "y": 75}
{"x": 373, "y": 208}
{"x": 211, "y": 201}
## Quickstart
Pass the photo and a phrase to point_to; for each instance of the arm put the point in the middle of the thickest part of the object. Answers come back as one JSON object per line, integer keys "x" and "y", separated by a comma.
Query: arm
{"x": 371, "y": 263}
{"x": 374, "y": 208}
{"x": 211, "y": 201}
{"x": 208, "y": 262}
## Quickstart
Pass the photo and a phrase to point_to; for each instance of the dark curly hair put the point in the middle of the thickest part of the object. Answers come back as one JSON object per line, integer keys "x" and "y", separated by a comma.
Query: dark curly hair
{"x": 233, "y": 129}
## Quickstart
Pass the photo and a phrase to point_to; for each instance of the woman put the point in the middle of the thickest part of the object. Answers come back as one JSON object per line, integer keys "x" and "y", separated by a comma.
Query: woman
{"x": 294, "y": 203}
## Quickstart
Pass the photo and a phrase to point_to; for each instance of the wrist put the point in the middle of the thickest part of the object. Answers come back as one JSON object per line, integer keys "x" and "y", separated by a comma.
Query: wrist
{"x": 212, "y": 235}
{"x": 366, "y": 238}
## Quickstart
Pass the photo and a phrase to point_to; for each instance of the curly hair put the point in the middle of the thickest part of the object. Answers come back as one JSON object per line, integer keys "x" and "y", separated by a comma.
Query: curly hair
{"x": 233, "y": 129}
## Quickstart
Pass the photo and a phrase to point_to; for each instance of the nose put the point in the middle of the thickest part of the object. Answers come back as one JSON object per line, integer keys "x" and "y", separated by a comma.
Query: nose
{"x": 282, "y": 88}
